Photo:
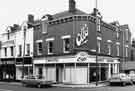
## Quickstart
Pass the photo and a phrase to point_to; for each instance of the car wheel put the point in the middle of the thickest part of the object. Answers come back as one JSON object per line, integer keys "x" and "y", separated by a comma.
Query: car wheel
{"x": 123, "y": 83}
{"x": 39, "y": 85}
{"x": 24, "y": 84}
{"x": 110, "y": 84}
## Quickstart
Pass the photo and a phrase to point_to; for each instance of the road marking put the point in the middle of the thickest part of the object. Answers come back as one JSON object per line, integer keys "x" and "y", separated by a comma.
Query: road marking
{"x": 5, "y": 90}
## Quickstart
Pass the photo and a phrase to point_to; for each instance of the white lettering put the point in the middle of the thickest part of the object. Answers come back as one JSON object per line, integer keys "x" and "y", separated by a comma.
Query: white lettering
{"x": 82, "y": 35}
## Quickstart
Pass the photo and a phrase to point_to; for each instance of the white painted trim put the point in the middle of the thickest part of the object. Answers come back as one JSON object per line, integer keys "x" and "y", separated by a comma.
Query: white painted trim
{"x": 99, "y": 38}
{"x": 109, "y": 41}
{"x": 49, "y": 39}
{"x": 37, "y": 41}
{"x": 24, "y": 65}
{"x": 93, "y": 50}
{"x": 117, "y": 43}
{"x": 126, "y": 46}
{"x": 65, "y": 36}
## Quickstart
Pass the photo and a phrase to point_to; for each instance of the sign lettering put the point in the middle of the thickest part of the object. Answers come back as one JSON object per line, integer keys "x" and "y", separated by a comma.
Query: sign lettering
{"x": 82, "y": 35}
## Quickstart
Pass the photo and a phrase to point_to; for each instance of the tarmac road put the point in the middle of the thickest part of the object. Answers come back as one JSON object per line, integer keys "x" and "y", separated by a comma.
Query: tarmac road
{"x": 5, "y": 87}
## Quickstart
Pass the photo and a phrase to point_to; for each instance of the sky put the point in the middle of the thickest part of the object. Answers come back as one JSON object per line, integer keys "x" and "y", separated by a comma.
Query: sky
{"x": 16, "y": 11}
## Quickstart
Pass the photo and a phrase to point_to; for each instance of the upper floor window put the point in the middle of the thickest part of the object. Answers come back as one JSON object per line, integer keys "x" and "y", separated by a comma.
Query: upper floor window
{"x": 28, "y": 49}
{"x": 118, "y": 49}
{"x": 66, "y": 43}
{"x": 109, "y": 49}
{"x": 127, "y": 33}
{"x": 117, "y": 33}
{"x": 50, "y": 45}
{"x": 44, "y": 27}
{"x": 12, "y": 50}
{"x": 126, "y": 50}
{"x": 5, "y": 49}
{"x": 109, "y": 46}
{"x": 20, "y": 50}
{"x": 39, "y": 48}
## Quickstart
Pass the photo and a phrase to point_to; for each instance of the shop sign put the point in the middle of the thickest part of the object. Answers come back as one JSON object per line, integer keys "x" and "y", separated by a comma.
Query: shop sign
{"x": 8, "y": 62}
{"x": 110, "y": 61}
{"x": 82, "y": 36}
{"x": 82, "y": 56}
{"x": 52, "y": 60}
{"x": 80, "y": 59}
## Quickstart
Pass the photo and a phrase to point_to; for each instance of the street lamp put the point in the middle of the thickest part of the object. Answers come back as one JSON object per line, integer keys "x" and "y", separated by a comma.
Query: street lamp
{"x": 98, "y": 17}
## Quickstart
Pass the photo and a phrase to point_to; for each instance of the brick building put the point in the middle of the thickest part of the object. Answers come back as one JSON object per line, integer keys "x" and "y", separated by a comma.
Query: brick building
{"x": 66, "y": 47}
{"x": 63, "y": 47}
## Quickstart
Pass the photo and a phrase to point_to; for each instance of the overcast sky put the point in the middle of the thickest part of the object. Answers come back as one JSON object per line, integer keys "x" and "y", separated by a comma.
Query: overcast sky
{"x": 16, "y": 11}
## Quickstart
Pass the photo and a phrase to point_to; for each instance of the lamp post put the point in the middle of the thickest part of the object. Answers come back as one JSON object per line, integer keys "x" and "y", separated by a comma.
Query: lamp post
{"x": 96, "y": 44}
{"x": 97, "y": 15}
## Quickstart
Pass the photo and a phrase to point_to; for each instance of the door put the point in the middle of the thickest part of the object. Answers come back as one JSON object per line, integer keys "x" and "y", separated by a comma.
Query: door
{"x": 59, "y": 73}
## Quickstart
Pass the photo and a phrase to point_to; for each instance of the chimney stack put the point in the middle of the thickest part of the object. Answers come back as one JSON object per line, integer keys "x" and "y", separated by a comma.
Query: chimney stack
{"x": 30, "y": 18}
{"x": 72, "y": 6}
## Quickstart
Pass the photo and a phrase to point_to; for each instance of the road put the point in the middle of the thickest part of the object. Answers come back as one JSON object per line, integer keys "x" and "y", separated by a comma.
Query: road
{"x": 107, "y": 88}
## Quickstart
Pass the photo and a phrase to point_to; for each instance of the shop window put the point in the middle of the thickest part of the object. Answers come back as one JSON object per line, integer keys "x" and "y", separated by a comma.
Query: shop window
{"x": 28, "y": 50}
{"x": 39, "y": 48}
{"x": 50, "y": 47}
{"x": 40, "y": 72}
{"x": 12, "y": 50}
{"x": 66, "y": 45}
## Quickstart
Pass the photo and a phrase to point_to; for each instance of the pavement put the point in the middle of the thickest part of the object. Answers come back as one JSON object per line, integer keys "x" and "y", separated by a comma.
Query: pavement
{"x": 91, "y": 85}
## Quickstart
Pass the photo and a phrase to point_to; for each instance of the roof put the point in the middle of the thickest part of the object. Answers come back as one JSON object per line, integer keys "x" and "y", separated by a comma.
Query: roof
{"x": 67, "y": 13}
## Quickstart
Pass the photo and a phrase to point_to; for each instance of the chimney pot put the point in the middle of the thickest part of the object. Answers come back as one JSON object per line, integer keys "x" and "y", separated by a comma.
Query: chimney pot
{"x": 72, "y": 6}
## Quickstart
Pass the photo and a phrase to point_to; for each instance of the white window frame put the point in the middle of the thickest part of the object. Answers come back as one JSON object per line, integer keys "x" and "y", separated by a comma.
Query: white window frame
{"x": 49, "y": 40}
{"x": 27, "y": 49}
{"x": 44, "y": 26}
{"x": 5, "y": 52}
{"x": 126, "y": 49}
{"x": 37, "y": 42}
{"x": 117, "y": 33}
{"x": 127, "y": 35}
{"x": 20, "y": 51}
{"x": 118, "y": 49}
{"x": 11, "y": 51}
{"x": 109, "y": 47}
{"x": 65, "y": 37}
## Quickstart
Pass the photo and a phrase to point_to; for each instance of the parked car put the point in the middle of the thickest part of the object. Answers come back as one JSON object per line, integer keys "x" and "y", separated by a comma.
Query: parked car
{"x": 36, "y": 81}
{"x": 132, "y": 76}
{"x": 120, "y": 78}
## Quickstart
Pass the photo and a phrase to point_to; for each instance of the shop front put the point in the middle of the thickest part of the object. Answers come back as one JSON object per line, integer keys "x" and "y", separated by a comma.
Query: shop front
{"x": 78, "y": 69}
{"x": 25, "y": 68}
{"x": 7, "y": 69}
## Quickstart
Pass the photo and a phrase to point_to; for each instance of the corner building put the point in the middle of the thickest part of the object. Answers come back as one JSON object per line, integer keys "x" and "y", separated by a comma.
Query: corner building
{"x": 65, "y": 51}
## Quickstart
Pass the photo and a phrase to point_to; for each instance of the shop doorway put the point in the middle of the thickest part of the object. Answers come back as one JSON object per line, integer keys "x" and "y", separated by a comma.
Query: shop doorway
{"x": 59, "y": 72}
{"x": 92, "y": 74}
{"x": 103, "y": 73}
